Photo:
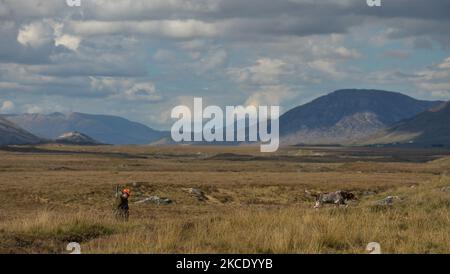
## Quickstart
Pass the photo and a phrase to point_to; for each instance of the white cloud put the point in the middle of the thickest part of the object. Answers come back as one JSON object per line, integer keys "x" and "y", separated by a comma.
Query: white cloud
{"x": 346, "y": 53}
{"x": 264, "y": 71}
{"x": 69, "y": 41}
{"x": 445, "y": 64}
{"x": 178, "y": 29}
{"x": 142, "y": 91}
{"x": 40, "y": 33}
{"x": 327, "y": 67}
{"x": 271, "y": 95}
{"x": 7, "y": 107}
{"x": 213, "y": 59}
{"x": 437, "y": 88}
{"x": 35, "y": 34}
{"x": 435, "y": 79}
{"x": 431, "y": 82}
{"x": 108, "y": 84}
{"x": 126, "y": 88}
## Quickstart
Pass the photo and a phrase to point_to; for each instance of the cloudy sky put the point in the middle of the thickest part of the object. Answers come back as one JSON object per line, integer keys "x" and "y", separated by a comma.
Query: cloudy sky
{"x": 140, "y": 58}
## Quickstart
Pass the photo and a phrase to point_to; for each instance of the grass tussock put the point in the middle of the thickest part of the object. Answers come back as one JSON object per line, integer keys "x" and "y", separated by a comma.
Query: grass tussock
{"x": 48, "y": 231}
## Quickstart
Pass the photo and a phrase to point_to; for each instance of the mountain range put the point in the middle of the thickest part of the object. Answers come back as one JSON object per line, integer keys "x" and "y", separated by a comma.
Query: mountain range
{"x": 103, "y": 128}
{"x": 343, "y": 117}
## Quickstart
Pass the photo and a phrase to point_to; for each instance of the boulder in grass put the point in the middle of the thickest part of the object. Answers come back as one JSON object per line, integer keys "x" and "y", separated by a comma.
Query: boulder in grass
{"x": 155, "y": 200}
{"x": 445, "y": 189}
{"x": 197, "y": 193}
{"x": 388, "y": 201}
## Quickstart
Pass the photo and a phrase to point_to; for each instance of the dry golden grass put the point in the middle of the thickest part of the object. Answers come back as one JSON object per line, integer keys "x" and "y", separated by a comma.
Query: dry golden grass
{"x": 59, "y": 194}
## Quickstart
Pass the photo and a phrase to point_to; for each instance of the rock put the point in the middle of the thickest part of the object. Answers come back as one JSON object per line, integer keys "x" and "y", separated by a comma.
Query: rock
{"x": 155, "y": 200}
{"x": 197, "y": 193}
{"x": 445, "y": 189}
{"x": 388, "y": 201}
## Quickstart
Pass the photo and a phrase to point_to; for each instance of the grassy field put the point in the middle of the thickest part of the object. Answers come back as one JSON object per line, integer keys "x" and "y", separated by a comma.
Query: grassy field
{"x": 53, "y": 195}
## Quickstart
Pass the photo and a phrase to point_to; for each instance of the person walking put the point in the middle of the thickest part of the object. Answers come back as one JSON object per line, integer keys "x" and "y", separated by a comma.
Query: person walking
{"x": 122, "y": 208}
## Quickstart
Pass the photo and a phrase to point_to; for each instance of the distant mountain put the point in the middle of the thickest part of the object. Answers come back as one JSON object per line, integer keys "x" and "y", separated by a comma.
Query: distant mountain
{"x": 431, "y": 127}
{"x": 103, "y": 128}
{"x": 341, "y": 117}
{"x": 164, "y": 141}
{"x": 76, "y": 138}
{"x": 11, "y": 134}
{"x": 344, "y": 116}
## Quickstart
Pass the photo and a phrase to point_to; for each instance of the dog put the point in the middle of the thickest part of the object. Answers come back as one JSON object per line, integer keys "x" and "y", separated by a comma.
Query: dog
{"x": 337, "y": 198}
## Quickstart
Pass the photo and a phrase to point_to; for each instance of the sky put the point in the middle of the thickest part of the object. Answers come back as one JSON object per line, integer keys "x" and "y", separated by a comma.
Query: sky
{"x": 139, "y": 59}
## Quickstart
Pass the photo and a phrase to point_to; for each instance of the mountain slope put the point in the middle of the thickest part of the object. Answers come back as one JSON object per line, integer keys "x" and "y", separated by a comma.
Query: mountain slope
{"x": 431, "y": 127}
{"x": 104, "y": 128}
{"x": 76, "y": 138}
{"x": 347, "y": 115}
{"x": 10, "y": 134}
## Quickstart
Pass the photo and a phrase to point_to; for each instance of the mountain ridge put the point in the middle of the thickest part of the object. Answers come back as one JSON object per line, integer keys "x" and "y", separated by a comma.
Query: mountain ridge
{"x": 76, "y": 138}
{"x": 107, "y": 129}
{"x": 429, "y": 128}
{"x": 343, "y": 116}
{"x": 11, "y": 134}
